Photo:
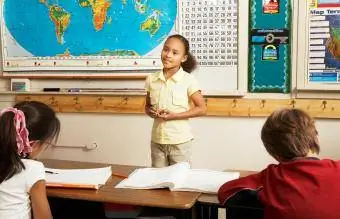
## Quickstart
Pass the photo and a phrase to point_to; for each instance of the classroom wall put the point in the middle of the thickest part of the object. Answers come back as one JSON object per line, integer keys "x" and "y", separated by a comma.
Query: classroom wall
{"x": 221, "y": 142}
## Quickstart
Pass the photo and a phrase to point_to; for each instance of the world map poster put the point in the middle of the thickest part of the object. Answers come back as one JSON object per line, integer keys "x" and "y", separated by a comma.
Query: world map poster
{"x": 85, "y": 34}
{"x": 105, "y": 37}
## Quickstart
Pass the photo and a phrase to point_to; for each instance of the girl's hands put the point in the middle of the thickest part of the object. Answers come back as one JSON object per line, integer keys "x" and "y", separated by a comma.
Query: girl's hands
{"x": 166, "y": 115}
{"x": 153, "y": 112}
{"x": 161, "y": 113}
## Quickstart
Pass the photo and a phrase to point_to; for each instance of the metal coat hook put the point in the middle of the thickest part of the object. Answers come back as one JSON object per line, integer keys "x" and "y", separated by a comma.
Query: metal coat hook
{"x": 324, "y": 104}
{"x": 293, "y": 102}
{"x": 234, "y": 103}
{"x": 76, "y": 100}
{"x": 77, "y": 104}
{"x": 100, "y": 100}
{"x": 53, "y": 101}
{"x": 262, "y": 103}
{"x": 125, "y": 100}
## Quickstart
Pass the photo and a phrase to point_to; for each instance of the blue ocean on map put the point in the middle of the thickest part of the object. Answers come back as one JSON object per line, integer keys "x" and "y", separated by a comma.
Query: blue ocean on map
{"x": 31, "y": 26}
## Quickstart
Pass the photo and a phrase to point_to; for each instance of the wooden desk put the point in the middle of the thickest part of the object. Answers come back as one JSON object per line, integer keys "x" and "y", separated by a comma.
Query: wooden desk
{"x": 162, "y": 198}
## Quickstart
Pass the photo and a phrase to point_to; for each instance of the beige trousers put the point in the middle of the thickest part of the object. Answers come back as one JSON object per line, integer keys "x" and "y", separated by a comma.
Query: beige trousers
{"x": 163, "y": 155}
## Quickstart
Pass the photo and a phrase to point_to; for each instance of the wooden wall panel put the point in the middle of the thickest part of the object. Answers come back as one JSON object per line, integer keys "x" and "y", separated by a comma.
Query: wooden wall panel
{"x": 134, "y": 104}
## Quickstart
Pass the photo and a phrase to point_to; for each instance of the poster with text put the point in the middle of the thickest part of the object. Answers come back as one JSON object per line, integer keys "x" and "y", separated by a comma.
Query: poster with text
{"x": 324, "y": 43}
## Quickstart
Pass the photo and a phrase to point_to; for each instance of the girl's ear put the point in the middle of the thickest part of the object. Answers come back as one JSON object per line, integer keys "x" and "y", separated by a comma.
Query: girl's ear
{"x": 185, "y": 58}
{"x": 37, "y": 148}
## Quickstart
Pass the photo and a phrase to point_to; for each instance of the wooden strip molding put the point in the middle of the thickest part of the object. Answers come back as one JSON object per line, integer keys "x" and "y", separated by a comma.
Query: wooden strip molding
{"x": 221, "y": 106}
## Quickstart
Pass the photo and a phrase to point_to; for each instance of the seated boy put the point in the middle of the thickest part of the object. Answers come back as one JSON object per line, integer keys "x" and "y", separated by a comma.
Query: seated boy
{"x": 301, "y": 186}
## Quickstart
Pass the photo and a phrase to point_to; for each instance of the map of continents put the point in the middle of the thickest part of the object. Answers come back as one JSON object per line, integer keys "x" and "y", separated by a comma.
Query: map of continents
{"x": 89, "y": 27}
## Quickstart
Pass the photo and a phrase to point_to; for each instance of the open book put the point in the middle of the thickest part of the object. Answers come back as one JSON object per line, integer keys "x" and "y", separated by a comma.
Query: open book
{"x": 77, "y": 178}
{"x": 178, "y": 177}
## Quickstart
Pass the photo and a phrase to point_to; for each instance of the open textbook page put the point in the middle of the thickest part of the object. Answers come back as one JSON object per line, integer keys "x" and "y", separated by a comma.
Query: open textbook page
{"x": 178, "y": 177}
{"x": 205, "y": 181}
{"x": 77, "y": 178}
{"x": 152, "y": 178}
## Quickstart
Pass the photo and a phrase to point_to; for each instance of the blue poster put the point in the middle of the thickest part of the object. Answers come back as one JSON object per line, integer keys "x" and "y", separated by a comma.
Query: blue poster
{"x": 269, "y": 48}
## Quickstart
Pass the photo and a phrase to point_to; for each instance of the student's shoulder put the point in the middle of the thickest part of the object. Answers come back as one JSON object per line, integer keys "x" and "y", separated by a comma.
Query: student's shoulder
{"x": 330, "y": 167}
{"x": 189, "y": 76}
{"x": 154, "y": 75}
{"x": 272, "y": 168}
{"x": 32, "y": 164}
{"x": 331, "y": 163}
{"x": 310, "y": 165}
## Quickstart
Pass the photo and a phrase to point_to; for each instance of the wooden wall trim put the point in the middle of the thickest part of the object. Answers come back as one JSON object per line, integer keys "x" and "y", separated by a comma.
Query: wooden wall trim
{"x": 90, "y": 103}
{"x": 217, "y": 106}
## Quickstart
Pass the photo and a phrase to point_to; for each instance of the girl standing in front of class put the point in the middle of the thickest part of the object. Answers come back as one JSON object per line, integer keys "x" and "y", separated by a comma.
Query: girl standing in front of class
{"x": 25, "y": 130}
{"x": 170, "y": 93}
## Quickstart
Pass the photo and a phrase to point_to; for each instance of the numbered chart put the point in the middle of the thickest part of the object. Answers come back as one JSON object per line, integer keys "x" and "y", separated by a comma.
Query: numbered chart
{"x": 211, "y": 28}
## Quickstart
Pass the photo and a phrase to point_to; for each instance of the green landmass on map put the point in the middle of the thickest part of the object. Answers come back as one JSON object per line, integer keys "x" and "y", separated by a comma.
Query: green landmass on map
{"x": 60, "y": 17}
{"x": 99, "y": 11}
{"x": 335, "y": 33}
{"x": 152, "y": 23}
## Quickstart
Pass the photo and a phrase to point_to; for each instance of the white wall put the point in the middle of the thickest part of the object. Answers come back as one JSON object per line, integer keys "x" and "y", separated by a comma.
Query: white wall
{"x": 220, "y": 142}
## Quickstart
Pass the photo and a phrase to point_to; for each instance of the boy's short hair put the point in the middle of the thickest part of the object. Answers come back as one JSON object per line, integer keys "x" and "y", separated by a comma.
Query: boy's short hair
{"x": 289, "y": 134}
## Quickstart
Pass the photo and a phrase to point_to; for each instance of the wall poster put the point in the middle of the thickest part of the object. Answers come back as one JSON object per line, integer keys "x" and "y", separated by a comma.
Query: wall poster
{"x": 324, "y": 42}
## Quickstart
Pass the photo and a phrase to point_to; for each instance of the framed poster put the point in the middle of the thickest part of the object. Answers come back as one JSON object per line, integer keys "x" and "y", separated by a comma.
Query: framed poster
{"x": 324, "y": 42}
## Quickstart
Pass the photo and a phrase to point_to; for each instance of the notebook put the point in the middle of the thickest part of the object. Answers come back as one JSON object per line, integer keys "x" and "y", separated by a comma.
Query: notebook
{"x": 178, "y": 177}
{"x": 77, "y": 178}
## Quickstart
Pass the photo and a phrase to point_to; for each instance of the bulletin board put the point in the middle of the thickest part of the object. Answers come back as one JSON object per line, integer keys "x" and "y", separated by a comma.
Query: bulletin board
{"x": 73, "y": 38}
{"x": 270, "y": 46}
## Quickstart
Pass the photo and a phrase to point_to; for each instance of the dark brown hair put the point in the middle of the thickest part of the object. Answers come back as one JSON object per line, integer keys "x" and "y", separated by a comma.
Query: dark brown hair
{"x": 289, "y": 134}
{"x": 190, "y": 64}
{"x": 42, "y": 125}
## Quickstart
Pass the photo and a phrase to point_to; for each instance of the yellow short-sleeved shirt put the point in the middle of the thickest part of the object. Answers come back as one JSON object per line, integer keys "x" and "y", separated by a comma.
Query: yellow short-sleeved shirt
{"x": 173, "y": 95}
